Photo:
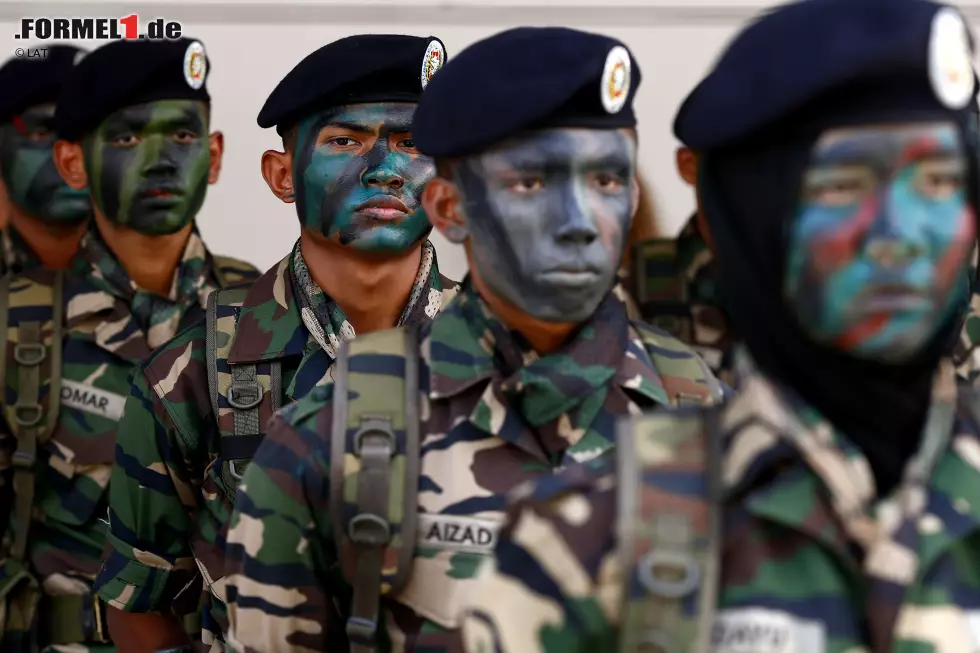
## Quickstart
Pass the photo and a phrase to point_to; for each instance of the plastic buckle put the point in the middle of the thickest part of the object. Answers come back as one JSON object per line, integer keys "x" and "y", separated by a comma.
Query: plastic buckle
{"x": 369, "y": 530}
{"x": 233, "y": 471}
{"x": 379, "y": 425}
{"x": 28, "y": 415}
{"x": 248, "y": 388}
{"x": 29, "y": 354}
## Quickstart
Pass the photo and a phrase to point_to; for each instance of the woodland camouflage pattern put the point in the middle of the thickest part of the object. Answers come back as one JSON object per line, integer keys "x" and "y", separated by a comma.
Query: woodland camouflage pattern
{"x": 156, "y": 539}
{"x": 966, "y": 355}
{"x": 798, "y": 502}
{"x": 494, "y": 414}
{"x": 675, "y": 290}
{"x": 18, "y": 257}
{"x": 103, "y": 339}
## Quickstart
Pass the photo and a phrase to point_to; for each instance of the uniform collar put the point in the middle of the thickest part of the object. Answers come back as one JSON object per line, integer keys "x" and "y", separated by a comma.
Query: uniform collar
{"x": 18, "y": 257}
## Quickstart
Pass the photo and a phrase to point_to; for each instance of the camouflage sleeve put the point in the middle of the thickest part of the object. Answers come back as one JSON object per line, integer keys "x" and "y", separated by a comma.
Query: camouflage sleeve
{"x": 555, "y": 582}
{"x": 152, "y": 495}
{"x": 280, "y": 545}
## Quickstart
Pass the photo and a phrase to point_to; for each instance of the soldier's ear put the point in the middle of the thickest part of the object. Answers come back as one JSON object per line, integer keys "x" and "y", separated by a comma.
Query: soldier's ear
{"x": 69, "y": 159}
{"x": 277, "y": 170}
{"x": 443, "y": 204}
{"x": 687, "y": 165}
{"x": 216, "y": 146}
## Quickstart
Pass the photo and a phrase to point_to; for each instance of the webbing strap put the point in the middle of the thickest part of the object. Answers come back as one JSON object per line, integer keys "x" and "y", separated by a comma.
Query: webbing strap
{"x": 670, "y": 545}
{"x": 29, "y": 352}
{"x": 378, "y": 505}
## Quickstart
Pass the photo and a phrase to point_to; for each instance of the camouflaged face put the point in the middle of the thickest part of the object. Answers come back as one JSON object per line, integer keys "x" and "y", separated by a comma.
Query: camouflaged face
{"x": 480, "y": 388}
{"x": 805, "y": 542}
{"x": 102, "y": 341}
{"x": 169, "y": 500}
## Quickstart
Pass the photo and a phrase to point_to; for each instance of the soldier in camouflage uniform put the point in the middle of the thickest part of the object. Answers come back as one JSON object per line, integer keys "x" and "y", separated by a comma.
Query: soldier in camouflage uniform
{"x": 47, "y": 217}
{"x": 406, "y": 458}
{"x": 674, "y": 284}
{"x": 363, "y": 261}
{"x": 834, "y": 504}
{"x": 132, "y": 125}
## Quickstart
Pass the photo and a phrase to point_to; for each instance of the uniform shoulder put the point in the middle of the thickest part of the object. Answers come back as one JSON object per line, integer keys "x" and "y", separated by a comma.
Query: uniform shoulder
{"x": 662, "y": 342}
{"x": 183, "y": 346}
{"x": 232, "y": 271}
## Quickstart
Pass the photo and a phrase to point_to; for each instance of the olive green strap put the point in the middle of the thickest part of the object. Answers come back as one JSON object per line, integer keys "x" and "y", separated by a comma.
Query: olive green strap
{"x": 379, "y": 506}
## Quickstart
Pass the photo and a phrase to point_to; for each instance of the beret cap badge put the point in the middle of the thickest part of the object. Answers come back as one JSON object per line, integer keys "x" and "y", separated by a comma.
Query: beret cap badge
{"x": 435, "y": 57}
{"x": 950, "y": 59}
{"x": 195, "y": 65}
{"x": 615, "y": 84}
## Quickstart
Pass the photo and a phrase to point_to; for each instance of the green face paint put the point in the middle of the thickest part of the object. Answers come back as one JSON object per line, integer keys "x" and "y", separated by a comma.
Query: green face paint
{"x": 148, "y": 165}
{"x": 359, "y": 178}
{"x": 28, "y": 170}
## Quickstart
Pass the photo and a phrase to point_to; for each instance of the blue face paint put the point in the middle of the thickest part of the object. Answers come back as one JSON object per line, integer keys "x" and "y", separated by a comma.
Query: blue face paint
{"x": 547, "y": 215}
{"x": 880, "y": 248}
{"x": 359, "y": 177}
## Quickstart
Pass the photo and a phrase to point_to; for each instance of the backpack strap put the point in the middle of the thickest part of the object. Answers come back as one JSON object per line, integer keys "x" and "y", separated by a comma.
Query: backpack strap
{"x": 32, "y": 422}
{"x": 669, "y": 529}
{"x": 686, "y": 377}
{"x": 374, "y": 469}
{"x": 237, "y": 389}
{"x": 230, "y": 271}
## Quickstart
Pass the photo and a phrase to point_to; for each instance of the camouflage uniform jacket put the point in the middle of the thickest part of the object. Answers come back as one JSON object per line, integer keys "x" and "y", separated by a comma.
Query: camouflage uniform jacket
{"x": 493, "y": 414}
{"x": 108, "y": 327}
{"x": 18, "y": 257}
{"x": 675, "y": 290}
{"x": 170, "y": 503}
{"x": 810, "y": 560}
{"x": 966, "y": 354}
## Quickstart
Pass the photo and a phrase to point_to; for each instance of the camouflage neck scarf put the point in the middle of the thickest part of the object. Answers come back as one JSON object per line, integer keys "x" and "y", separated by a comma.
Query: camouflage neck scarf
{"x": 17, "y": 254}
{"x": 543, "y": 388}
{"x": 158, "y": 317}
{"x": 327, "y": 322}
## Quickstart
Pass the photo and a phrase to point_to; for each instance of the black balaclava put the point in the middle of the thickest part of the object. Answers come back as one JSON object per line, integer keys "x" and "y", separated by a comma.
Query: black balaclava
{"x": 751, "y": 192}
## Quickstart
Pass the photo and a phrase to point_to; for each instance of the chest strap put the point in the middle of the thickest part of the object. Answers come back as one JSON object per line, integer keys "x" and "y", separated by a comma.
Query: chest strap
{"x": 243, "y": 394}
{"x": 32, "y": 425}
{"x": 374, "y": 470}
{"x": 669, "y": 530}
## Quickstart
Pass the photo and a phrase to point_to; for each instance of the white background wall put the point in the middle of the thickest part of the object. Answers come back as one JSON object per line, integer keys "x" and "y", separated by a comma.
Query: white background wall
{"x": 253, "y": 43}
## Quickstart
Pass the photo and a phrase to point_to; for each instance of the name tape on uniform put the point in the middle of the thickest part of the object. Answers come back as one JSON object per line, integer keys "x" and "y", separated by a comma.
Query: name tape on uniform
{"x": 464, "y": 534}
{"x": 89, "y": 399}
{"x": 761, "y": 630}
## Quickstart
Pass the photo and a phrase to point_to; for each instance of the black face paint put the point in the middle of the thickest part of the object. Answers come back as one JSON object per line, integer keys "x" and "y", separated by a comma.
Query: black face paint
{"x": 548, "y": 215}
{"x": 148, "y": 165}
{"x": 27, "y": 164}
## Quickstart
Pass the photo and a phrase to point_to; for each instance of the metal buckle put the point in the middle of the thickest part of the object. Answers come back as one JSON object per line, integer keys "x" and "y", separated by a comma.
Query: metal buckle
{"x": 249, "y": 404}
{"x": 22, "y": 353}
{"x": 233, "y": 471}
{"x": 690, "y": 573}
{"x": 361, "y": 631}
{"x": 23, "y": 460}
{"x": 28, "y": 415}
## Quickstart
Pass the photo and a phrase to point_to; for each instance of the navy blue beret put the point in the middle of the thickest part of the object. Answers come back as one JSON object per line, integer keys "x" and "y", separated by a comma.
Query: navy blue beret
{"x": 831, "y": 53}
{"x": 526, "y": 78}
{"x": 355, "y": 69}
{"x": 28, "y": 82}
{"x": 125, "y": 73}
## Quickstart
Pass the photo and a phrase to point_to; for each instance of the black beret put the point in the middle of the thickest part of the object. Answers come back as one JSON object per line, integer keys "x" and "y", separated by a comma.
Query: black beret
{"x": 125, "y": 73}
{"x": 831, "y": 53}
{"x": 526, "y": 78}
{"x": 362, "y": 68}
{"x": 28, "y": 82}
